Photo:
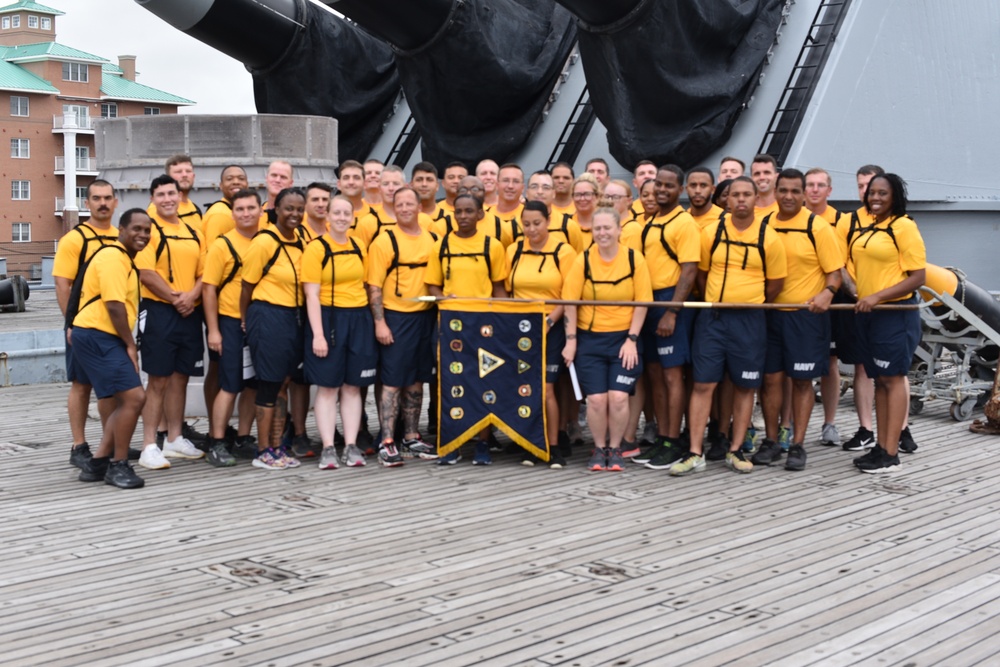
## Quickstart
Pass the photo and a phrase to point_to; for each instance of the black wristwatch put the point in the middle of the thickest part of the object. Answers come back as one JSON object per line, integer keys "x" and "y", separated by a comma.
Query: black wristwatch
{"x": 633, "y": 337}
{"x": 833, "y": 290}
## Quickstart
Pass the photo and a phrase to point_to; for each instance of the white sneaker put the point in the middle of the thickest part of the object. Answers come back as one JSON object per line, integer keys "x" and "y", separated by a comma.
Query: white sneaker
{"x": 152, "y": 458}
{"x": 181, "y": 448}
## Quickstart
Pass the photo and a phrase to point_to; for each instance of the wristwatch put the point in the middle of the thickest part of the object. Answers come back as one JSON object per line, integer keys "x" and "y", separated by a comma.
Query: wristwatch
{"x": 549, "y": 322}
{"x": 633, "y": 337}
{"x": 833, "y": 290}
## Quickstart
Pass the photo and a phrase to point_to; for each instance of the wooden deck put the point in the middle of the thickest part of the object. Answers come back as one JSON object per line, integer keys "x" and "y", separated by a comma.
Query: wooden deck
{"x": 503, "y": 565}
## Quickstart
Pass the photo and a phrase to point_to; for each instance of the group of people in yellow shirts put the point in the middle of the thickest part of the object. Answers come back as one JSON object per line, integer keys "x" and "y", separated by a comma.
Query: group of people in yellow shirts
{"x": 324, "y": 288}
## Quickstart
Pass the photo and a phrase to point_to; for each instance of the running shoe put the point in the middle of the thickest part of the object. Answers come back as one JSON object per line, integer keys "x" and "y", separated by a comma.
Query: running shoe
{"x": 616, "y": 463}
{"x": 269, "y": 459}
{"x": 181, "y": 448}
{"x": 153, "y": 458}
{"x": 689, "y": 464}
{"x": 328, "y": 459}
{"x": 737, "y": 462}
{"x": 598, "y": 460}
{"x": 863, "y": 439}
{"x": 79, "y": 455}
{"x": 353, "y": 456}
{"x": 482, "y": 456}
{"x": 830, "y": 436}
{"x": 388, "y": 455}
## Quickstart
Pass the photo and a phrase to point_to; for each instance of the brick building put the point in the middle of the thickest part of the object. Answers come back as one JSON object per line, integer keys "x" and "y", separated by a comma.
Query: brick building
{"x": 50, "y": 97}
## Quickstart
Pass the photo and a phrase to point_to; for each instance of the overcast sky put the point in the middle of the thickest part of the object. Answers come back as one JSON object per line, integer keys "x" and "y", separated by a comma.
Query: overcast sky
{"x": 166, "y": 58}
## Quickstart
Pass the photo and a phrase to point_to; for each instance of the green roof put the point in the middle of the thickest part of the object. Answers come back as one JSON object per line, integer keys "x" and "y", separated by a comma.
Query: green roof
{"x": 47, "y": 50}
{"x": 118, "y": 88}
{"x": 17, "y": 79}
{"x": 27, "y": 5}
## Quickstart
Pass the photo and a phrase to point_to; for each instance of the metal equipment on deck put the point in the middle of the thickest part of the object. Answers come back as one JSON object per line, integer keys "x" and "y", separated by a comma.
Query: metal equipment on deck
{"x": 958, "y": 351}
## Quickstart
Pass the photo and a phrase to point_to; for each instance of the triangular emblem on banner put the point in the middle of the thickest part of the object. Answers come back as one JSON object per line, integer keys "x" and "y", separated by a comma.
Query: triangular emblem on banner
{"x": 522, "y": 366}
{"x": 488, "y": 363}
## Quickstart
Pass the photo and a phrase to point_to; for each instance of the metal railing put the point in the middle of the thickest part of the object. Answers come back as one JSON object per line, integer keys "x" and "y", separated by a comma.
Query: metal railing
{"x": 82, "y": 163}
{"x": 85, "y": 123}
{"x": 81, "y": 203}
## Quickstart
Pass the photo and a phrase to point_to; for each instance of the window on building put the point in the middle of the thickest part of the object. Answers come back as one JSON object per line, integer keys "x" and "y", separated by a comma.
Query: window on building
{"x": 6, "y": 23}
{"x": 81, "y": 112}
{"x": 20, "y": 232}
{"x": 15, "y": 21}
{"x": 18, "y": 105}
{"x": 20, "y": 190}
{"x": 151, "y": 111}
{"x": 83, "y": 158}
{"x": 75, "y": 72}
{"x": 109, "y": 110}
{"x": 32, "y": 21}
{"x": 20, "y": 148}
{"x": 46, "y": 23}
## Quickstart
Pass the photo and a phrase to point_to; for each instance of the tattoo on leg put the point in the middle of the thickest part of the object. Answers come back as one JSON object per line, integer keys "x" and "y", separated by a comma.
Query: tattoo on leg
{"x": 390, "y": 408}
{"x": 412, "y": 402}
{"x": 280, "y": 416}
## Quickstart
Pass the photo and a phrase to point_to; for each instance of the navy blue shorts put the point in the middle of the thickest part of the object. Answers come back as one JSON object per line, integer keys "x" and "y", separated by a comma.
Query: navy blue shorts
{"x": 170, "y": 343}
{"x": 231, "y": 360}
{"x": 353, "y": 356}
{"x": 555, "y": 341}
{"x": 411, "y": 357}
{"x": 275, "y": 337}
{"x": 843, "y": 332}
{"x": 597, "y": 364}
{"x": 670, "y": 351}
{"x": 798, "y": 343}
{"x": 887, "y": 340}
{"x": 730, "y": 341}
{"x": 105, "y": 360}
{"x": 75, "y": 372}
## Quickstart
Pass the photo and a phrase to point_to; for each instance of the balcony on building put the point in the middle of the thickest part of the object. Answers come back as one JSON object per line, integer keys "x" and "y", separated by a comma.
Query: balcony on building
{"x": 84, "y": 125}
{"x": 85, "y": 166}
{"x": 81, "y": 204}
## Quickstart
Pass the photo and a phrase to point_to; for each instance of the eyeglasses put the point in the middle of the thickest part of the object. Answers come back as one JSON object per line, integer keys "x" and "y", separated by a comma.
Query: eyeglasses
{"x": 474, "y": 188}
{"x": 540, "y": 186}
{"x": 583, "y": 195}
{"x": 615, "y": 197}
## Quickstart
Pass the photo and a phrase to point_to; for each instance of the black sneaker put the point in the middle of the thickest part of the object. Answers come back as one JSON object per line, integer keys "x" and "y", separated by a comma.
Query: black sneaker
{"x": 906, "y": 442}
{"x": 648, "y": 451}
{"x": 230, "y": 436}
{"x": 94, "y": 469}
{"x": 556, "y": 461}
{"x": 863, "y": 439}
{"x": 528, "y": 459}
{"x": 120, "y": 474}
{"x": 718, "y": 448}
{"x": 79, "y": 455}
{"x": 161, "y": 437}
{"x": 796, "y": 458}
{"x": 197, "y": 438}
{"x": 769, "y": 452}
{"x": 667, "y": 455}
{"x": 871, "y": 455}
{"x": 218, "y": 454}
{"x": 303, "y": 447}
{"x": 881, "y": 463}
{"x": 246, "y": 447}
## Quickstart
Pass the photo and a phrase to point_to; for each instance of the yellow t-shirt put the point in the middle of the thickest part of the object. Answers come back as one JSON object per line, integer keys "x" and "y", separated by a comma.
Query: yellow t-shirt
{"x": 71, "y": 245}
{"x": 111, "y": 276}
{"x": 446, "y": 212}
{"x": 538, "y": 274}
{"x": 705, "y": 219}
{"x": 181, "y": 261}
{"x": 406, "y": 281}
{"x": 307, "y": 232}
{"x": 759, "y": 213}
{"x": 282, "y": 285}
{"x": 882, "y": 259}
{"x": 617, "y": 280}
{"x": 219, "y": 264}
{"x": 557, "y": 212}
{"x": 218, "y": 220}
{"x": 564, "y": 228}
{"x": 681, "y": 234}
{"x": 586, "y": 236}
{"x": 512, "y": 219}
{"x": 341, "y": 277}
{"x": 458, "y": 265}
{"x": 631, "y": 236}
{"x": 808, "y": 260}
{"x": 734, "y": 267}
